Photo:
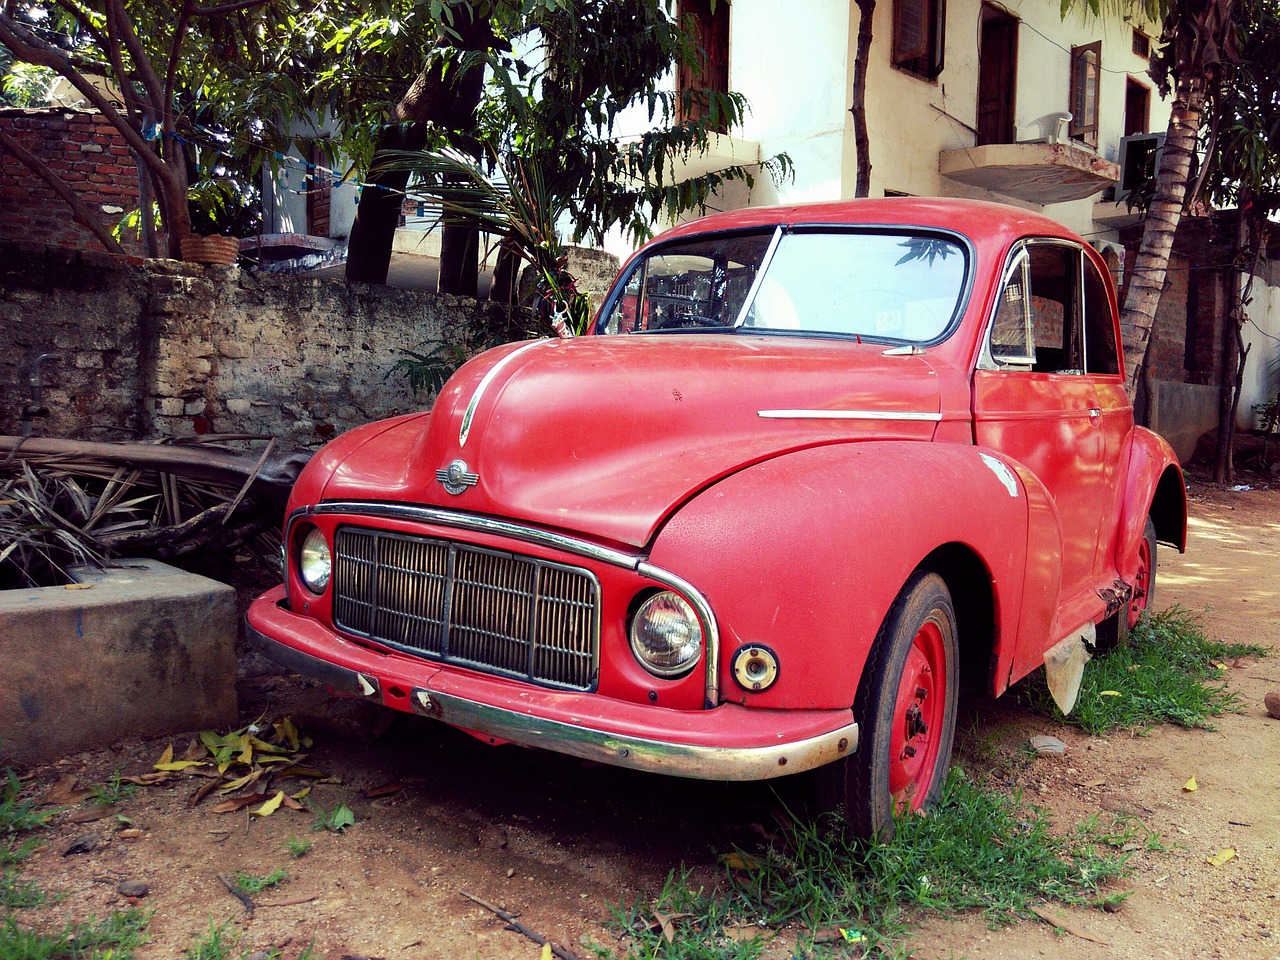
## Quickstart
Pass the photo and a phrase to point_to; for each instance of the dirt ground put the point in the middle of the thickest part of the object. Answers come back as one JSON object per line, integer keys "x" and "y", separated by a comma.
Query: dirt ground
{"x": 557, "y": 840}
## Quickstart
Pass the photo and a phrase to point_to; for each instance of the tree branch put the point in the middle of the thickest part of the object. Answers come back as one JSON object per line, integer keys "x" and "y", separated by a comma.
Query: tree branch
{"x": 82, "y": 18}
{"x": 79, "y": 209}
{"x": 141, "y": 62}
{"x": 29, "y": 48}
{"x": 175, "y": 48}
{"x": 117, "y": 64}
{"x": 227, "y": 8}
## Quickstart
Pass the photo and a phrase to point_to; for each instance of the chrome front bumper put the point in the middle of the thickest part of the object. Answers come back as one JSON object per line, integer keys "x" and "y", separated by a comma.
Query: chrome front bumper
{"x": 727, "y": 742}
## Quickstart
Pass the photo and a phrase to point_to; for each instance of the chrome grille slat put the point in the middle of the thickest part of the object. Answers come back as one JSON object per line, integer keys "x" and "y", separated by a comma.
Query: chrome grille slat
{"x": 497, "y": 612}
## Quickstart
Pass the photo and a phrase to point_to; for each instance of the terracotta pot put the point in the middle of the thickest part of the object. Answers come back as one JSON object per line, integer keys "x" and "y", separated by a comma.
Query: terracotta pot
{"x": 219, "y": 250}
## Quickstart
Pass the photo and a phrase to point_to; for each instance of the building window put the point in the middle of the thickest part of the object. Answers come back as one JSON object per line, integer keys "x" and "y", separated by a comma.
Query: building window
{"x": 1141, "y": 44}
{"x": 710, "y": 74}
{"x": 1086, "y": 71}
{"x": 319, "y": 194}
{"x": 918, "y": 28}
{"x": 1137, "y": 107}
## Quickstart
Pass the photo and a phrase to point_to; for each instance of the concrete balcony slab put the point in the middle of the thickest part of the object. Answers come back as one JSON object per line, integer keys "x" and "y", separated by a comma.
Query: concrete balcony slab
{"x": 1042, "y": 173}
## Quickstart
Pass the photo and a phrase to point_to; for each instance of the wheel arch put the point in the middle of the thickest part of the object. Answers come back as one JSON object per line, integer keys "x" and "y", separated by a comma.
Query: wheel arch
{"x": 1169, "y": 509}
{"x": 844, "y": 527}
{"x": 969, "y": 582}
{"x": 1153, "y": 487}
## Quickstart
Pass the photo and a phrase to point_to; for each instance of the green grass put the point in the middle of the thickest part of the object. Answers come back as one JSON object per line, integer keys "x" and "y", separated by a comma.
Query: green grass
{"x": 18, "y": 815}
{"x": 115, "y": 938}
{"x": 18, "y": 894}
{"x": 216, "y": 944}
{"x": 1168, "y": 672}
{"x": 112, "y": 792}
{"x": 251, "y": 884}
{"x": 979, "y": 850}
{"x": 297, "y": 846}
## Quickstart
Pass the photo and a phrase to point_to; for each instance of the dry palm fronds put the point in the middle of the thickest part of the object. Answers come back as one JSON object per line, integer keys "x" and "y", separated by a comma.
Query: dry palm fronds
{"x": 64, "y": 502}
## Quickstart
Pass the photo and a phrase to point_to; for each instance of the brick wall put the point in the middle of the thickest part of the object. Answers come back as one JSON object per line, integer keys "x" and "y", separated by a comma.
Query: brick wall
{"x": 159, "y": 347}
{"x": 85, "y": 151}
{"x": 1186, "y": 341}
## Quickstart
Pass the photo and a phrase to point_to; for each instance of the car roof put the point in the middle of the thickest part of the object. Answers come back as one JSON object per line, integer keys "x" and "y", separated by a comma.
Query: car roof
{"x": 976, "y": 219}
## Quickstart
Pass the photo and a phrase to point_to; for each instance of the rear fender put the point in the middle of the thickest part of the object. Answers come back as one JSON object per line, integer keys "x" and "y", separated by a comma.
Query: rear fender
{"x": 1153, "y": 486}
{"x": 805, "y": 553}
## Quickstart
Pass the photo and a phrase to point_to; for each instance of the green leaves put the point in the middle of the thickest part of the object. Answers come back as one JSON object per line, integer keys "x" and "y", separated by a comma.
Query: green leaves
{"x": 335, "y": 820}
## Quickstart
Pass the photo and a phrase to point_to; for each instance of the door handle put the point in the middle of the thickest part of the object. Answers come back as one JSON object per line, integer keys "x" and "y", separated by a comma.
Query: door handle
{"x": 1095, "y": 414}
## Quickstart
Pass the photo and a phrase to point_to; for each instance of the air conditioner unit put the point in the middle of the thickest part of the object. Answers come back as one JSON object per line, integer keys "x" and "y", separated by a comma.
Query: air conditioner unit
{"x": 1139, "y": 160}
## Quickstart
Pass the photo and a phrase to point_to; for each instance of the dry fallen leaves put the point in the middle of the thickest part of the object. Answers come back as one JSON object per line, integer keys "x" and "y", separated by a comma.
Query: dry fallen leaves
{"x": 242, "y": 760}
{"x": 666, "y": 922}
{"x": 1225, "y": 855}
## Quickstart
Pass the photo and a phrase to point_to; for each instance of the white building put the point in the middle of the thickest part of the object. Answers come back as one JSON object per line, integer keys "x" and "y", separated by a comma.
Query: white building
{"x": 964, "y": 99}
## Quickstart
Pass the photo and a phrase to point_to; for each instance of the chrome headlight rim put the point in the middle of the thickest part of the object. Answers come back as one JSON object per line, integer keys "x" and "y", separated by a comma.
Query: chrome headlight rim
{"x": 315, "y": 561}
{"x": 696, "y": 644}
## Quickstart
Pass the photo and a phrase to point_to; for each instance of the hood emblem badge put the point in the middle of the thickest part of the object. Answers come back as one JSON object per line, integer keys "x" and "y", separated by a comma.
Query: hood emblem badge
{"x": 456, "y": 477}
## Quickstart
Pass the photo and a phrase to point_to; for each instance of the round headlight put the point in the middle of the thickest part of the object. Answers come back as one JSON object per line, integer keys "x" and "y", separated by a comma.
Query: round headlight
{"x": 666, "y": 636}
{"x": 315, "y": 563}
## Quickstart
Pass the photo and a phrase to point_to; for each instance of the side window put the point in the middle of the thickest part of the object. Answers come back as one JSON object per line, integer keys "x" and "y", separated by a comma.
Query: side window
{"x": 1037, "y": 325}
{"x": 627, "y": 310}
{"x": 1099, "y": 330}
{"x": 1012, "y": 341}
{"x": 1055, "y": 311}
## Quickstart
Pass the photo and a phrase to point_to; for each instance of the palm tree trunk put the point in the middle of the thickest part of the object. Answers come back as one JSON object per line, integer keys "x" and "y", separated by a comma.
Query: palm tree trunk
{"x": 1152, "y": 262}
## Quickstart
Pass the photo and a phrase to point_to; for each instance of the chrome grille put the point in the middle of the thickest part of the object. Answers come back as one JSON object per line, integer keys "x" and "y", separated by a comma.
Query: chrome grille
{"x": 494, "y": 611}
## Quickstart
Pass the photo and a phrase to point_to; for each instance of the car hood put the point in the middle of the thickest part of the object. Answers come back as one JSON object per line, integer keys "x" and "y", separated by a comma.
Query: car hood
{"x": 606, "y": 436}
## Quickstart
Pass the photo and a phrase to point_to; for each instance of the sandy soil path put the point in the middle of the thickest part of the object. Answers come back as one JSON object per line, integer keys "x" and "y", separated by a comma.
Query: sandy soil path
{"x": 558, "y": 841}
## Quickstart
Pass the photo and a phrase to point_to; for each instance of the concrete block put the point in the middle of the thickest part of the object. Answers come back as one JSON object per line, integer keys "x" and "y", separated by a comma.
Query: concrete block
{"x": 140, "y": 649}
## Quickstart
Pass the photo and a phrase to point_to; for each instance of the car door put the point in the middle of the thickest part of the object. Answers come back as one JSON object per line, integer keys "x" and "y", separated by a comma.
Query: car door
{"x": 1034, "y": 401}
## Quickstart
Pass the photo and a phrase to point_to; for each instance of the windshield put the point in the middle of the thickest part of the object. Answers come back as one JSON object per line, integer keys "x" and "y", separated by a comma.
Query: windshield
{"x": 882, "y": 286}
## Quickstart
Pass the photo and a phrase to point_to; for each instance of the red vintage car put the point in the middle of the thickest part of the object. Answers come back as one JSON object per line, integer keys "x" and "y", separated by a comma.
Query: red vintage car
{"x": 815, "y": 466}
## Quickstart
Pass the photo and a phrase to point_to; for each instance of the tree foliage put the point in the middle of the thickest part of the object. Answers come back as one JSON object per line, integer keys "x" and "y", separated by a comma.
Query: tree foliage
{"x": 154, "y": 69}
{"x": 1241, "y": 146}
{"x": 207, "y": 95}
{"x": 1242, "y": 132}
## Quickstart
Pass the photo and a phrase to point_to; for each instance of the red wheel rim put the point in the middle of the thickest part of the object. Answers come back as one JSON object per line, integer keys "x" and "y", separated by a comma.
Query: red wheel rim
{"x": 919, "y": 716}
{"x": 1141, "y": 582}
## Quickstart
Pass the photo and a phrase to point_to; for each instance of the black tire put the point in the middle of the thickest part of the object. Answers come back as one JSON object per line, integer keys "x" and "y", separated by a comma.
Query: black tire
{"x": 1114, "y": 631}
{"x": 917, "y": 640}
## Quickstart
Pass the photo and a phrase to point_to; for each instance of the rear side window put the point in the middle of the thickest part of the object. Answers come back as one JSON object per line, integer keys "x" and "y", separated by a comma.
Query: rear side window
{"x": 1101, "y": 354}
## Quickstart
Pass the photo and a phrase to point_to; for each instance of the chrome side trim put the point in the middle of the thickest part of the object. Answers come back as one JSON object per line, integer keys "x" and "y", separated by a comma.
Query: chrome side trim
{"x": 484, "y": 385}
{"x": 543, "y": 538}
{"x": 912, "y": 415}
{"x": 653, "y": 756}
{"x": 711, "y": 632}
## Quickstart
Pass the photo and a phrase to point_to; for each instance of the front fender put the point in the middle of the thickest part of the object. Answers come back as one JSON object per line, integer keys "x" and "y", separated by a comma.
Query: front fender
{"x": 806, "y": 552}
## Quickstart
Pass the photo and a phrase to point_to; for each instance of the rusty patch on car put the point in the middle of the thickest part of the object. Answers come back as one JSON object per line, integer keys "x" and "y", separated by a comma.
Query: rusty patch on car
{"x": 1115, "y": 596}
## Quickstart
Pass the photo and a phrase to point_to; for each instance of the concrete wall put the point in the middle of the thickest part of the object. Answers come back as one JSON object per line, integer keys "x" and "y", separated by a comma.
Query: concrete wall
{"x": 1182, "y": 413}
{"x": 1262, "y": 333}
{"x": 165, "y": 348}
{"x": 143, "y": 649}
